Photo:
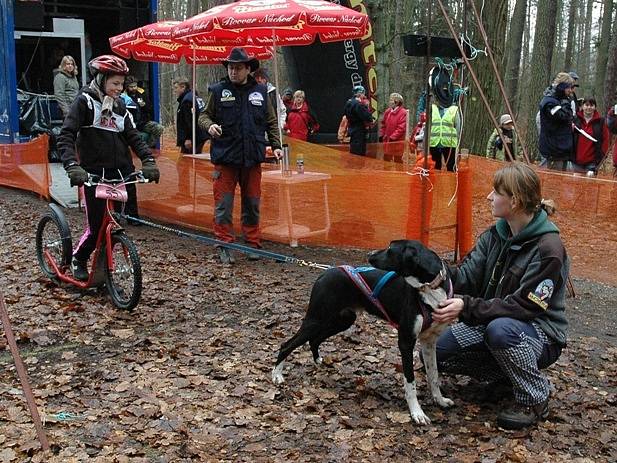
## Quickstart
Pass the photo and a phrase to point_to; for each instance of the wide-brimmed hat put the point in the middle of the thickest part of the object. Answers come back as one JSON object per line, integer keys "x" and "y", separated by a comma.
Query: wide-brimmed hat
{"x": 239, "y": 55}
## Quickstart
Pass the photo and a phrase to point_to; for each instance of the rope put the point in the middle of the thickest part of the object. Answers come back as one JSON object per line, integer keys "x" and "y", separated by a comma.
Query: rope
{"x": 237, "y": 247}
{"x": 423, "y": 173}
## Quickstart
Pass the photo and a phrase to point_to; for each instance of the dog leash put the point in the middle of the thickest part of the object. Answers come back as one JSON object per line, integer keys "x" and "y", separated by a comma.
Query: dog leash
{"x": 371, "y": 294}
{"x": 237, "y": 247}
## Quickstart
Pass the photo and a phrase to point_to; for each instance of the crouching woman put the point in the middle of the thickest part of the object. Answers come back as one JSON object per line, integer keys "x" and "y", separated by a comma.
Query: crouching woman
{"x": 511, "y": 312}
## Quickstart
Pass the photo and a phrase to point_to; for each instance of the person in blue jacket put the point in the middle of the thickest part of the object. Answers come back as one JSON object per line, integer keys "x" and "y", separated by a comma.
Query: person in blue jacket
{"x": 556, "y": 142}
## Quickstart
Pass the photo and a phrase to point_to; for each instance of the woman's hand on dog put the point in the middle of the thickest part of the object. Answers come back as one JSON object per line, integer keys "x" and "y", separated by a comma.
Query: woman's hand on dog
{"x": 448, "y": 310}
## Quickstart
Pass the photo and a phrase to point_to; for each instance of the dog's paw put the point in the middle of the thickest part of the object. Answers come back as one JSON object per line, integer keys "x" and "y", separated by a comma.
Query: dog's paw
{"x": 444, "y": 402}
{"x": 420, "y": 418}
{"x": 277, "y": 376}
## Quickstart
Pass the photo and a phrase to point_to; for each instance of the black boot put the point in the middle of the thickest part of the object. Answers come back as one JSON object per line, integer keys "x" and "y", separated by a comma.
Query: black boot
{"x": 80, "y": 269}
{"x": 521, "y": 416}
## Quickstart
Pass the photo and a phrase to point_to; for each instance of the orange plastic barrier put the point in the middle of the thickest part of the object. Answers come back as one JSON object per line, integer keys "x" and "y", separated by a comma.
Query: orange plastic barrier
{"x": 340, "y": 200}
{"x": 25, "y": 165}
{"x": 344, "y": 200}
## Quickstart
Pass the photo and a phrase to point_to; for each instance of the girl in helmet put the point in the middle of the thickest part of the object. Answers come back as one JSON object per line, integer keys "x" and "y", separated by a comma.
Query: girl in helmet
{"x": 99, "y": 128}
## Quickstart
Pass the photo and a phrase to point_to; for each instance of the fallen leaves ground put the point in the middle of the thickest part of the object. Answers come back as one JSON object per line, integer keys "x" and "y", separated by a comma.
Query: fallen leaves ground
{"x": 186, "y": 376}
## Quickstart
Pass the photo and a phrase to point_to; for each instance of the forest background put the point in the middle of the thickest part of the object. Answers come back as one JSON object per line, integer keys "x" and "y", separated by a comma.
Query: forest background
{"x": 531, "y": 41}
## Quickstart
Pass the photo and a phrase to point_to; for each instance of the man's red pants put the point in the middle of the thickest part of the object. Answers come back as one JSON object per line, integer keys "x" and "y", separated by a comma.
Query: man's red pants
{"x": 225, "y": 179}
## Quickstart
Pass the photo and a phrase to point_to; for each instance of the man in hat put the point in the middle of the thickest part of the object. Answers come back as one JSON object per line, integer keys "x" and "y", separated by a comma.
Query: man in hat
{"x": 359, "y": 119}
{"x": 238, "y": 116}
{"x": 502, "y": 142}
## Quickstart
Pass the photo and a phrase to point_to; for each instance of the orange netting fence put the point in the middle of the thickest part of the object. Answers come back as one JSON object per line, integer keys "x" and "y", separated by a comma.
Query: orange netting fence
{"x": 586, "y": 215}
{"x": 340, "y": 199}
{"x": 25, "y": 166}
{"x": 344, "y": 200}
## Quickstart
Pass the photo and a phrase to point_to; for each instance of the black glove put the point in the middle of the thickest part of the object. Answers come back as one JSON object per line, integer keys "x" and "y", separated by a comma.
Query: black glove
{"x": 150, "y": 171}
{"x": 77, "y": 174}
{"x": 499, "y": 143}
{"x": 380, "y": 139}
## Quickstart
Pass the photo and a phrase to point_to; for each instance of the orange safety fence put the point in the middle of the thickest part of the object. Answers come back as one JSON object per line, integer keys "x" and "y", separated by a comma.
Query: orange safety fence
{"x": 344, "y": 200}
{"x": 586, "y": 215}
{"x": 340, "y": 200}
{"x": 25, "y": 165}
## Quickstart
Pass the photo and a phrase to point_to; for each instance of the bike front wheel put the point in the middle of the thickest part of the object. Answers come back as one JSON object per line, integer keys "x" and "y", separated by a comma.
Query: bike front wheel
{"x": 53, "y": 241}
{"x": 124, "y": 276}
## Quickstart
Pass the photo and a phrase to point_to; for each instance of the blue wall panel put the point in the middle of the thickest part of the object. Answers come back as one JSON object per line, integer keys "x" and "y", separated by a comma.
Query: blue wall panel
{"x": 9, "y": 119}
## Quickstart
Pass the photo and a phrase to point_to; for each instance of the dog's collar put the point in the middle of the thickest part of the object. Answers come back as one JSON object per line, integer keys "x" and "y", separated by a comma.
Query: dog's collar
{"x": 440, "y": 278}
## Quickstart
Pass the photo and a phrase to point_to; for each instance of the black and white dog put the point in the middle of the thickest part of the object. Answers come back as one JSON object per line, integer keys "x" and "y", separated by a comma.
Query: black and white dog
{"x": 405, "y": 300}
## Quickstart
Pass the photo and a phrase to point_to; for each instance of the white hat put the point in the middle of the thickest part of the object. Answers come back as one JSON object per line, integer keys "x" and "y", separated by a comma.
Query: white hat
{"x": 505, "y": 119}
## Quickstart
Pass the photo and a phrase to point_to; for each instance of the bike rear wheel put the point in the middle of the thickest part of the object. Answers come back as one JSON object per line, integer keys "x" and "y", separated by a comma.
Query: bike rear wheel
{"x": 54, "y": 237}
{"x": 124, "y": 279}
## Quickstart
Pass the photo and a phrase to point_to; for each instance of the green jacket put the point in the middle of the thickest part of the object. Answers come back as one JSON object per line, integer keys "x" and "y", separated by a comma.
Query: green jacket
{"x": 493, "y": 152}
{"x": 522, "y": 277}
{"x": 65, "y": 90}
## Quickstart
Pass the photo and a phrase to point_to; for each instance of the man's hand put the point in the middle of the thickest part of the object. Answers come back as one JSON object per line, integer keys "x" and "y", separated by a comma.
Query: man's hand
{"x": 278, "y": 154}
{"x": 448, "y": 310}
{"x": 188, "y": 144}
{"x": 215, "y": 131}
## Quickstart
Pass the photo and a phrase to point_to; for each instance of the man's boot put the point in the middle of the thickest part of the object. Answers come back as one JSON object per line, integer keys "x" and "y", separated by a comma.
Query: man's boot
{"x": 79, "y": 269}
{"x": 225, "y": 256}
{"x": 521, "y": 416}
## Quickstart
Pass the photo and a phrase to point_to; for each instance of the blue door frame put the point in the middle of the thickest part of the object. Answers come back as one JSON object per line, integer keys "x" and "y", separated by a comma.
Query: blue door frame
{"x": 9, "y": 114}
{"x": 9, "y": 110}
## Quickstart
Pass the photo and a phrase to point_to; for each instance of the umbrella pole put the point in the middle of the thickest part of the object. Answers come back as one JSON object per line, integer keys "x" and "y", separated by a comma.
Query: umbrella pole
{"x": 276, "y": 90}
{"x": 194, "y": 131}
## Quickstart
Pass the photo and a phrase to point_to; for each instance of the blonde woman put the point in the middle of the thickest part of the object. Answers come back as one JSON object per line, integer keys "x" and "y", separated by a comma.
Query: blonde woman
{"x": 301, "y": 122}
{"x": 66, "y": 85}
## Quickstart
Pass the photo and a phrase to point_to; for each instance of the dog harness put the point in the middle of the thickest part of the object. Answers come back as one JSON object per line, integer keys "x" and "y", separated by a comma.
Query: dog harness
{"x": 371, "y": 294}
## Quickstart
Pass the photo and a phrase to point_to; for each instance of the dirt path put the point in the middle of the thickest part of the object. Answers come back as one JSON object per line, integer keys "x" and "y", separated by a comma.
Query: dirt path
{"x": 186, "y": 376}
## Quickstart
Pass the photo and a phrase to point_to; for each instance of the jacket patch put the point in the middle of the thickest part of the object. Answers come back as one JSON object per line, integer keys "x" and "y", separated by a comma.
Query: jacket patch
{"x": 256, "y": 99}
{"x": 542, "y": 293}
{"x": 226, "y": 95}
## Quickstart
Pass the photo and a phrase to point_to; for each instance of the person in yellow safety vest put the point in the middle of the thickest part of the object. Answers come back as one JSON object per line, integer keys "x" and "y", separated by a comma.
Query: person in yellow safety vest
{"x": 445, "y": 129}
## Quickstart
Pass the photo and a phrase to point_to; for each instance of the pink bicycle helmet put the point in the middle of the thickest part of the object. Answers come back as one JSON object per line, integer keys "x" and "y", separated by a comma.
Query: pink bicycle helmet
{"x": 108, "y": 64}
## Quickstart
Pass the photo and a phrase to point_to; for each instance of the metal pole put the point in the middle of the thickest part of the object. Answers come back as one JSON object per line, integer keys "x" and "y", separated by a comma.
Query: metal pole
{"x": 23, "y": 376}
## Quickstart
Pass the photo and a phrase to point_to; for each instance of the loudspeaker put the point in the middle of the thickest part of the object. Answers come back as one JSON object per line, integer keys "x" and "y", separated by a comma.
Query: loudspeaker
{"x": 29, "y": 15}
{"x": 444, "y": 47}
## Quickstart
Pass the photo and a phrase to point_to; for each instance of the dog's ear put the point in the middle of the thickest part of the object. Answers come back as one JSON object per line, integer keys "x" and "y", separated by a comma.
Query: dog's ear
{"x": 409, "y": 262}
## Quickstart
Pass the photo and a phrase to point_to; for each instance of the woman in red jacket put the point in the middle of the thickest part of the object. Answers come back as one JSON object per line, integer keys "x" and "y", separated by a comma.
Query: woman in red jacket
{"x": 589, "y": 124}
{"x": 394, "y": 124}
{"x": 300, "y": 120}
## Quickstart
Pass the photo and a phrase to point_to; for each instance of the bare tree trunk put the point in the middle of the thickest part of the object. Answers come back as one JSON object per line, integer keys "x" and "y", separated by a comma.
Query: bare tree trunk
{"x": 541, "y": 64}
{"x": 602, "y": 56}
{"x": 477, "y": 123}
{"x": 515, "y": 41}
{"x": 585, "y": 53}
{"x": 610, "y": 84}
{"x": 570, "y": 38}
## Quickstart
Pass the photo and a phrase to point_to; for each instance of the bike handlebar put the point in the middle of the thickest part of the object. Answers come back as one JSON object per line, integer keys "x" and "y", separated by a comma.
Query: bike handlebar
{"x": 138, "y": 175}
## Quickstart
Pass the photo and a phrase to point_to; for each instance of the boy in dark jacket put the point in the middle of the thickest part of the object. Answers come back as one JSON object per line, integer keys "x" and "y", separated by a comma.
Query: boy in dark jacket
{"x": 184, "y": 118}
{"x": 141, "y": 110}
